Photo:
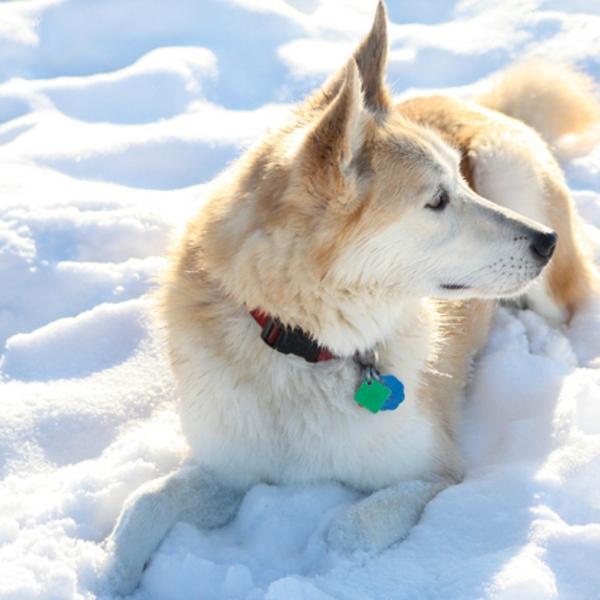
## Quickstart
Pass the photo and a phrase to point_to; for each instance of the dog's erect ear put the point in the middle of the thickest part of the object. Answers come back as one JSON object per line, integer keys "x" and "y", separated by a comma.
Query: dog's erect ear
{"x": 332, "y": 142}
{"x": 371, "y": 58}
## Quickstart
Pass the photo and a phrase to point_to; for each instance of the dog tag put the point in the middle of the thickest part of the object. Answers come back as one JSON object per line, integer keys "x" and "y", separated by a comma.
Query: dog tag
{"x": 372, "y": 394}
{"x": 396, "y": 388}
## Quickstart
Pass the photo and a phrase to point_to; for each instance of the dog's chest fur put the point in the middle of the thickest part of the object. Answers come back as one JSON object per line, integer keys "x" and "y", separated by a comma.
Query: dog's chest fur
{"x": 256, "y": 415}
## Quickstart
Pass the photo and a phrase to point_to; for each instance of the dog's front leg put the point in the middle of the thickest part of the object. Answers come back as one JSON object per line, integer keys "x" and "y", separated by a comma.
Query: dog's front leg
{"x": 384, "y": 517}
{"x": 191, "y": 494}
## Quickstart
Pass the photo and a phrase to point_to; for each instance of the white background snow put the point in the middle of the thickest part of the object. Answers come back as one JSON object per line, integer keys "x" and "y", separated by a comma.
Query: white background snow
{"x": 114, "y": 117}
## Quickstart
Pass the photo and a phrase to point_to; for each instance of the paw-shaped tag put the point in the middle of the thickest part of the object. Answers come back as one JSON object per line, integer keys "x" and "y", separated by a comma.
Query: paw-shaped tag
{"x": 372, "y": 394}
{"x": 396, "y": 388}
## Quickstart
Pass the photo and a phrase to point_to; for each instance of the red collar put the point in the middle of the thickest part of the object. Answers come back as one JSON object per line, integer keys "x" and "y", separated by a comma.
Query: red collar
{"x": 286, "y": 340}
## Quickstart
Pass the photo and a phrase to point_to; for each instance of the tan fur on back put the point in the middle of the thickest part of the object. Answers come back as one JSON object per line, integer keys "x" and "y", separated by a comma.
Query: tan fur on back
{"x": 554, "y": 99}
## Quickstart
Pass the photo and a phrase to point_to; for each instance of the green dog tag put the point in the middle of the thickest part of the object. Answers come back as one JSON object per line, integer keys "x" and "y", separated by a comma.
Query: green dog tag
{"x": 372, "y": 394}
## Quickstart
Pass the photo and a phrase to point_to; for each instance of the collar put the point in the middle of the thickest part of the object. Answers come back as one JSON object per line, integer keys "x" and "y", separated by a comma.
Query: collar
{"x": 375, "y": 391}
{"x": 288, "y": 340}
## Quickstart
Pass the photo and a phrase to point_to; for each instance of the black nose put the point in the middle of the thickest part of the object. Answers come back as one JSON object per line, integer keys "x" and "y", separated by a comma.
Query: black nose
{"x": 543, "y": 245}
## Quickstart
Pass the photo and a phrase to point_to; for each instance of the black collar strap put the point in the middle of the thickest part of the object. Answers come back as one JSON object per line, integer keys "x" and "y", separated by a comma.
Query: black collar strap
{"x": 289, "y": 340}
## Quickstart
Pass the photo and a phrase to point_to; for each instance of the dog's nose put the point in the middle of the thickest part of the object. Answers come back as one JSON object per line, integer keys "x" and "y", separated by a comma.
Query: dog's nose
{"x": 543, "y": 245}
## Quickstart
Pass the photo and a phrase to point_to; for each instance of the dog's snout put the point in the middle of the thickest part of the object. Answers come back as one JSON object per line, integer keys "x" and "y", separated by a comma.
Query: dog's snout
{"x": 543, "y": 245}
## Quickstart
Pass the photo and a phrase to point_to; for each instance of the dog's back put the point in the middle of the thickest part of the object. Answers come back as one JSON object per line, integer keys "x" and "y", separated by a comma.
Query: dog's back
{"x": 554, "y": 99}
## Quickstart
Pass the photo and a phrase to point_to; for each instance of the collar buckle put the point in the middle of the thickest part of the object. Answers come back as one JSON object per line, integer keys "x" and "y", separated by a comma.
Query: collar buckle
{"x": 272, "y": 332}
{"x": 292, "y": 341}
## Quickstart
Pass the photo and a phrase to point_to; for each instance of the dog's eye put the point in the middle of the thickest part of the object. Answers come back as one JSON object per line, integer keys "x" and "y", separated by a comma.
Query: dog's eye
{"x": 440, "y": 200}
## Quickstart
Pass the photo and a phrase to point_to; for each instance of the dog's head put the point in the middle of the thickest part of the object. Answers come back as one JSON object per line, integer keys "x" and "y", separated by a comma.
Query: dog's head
{"x": 400, "y": 214}
{"x": 356, "y": 198}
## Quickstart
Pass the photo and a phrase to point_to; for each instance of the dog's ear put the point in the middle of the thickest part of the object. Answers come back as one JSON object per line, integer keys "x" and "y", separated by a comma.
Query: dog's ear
{"x": 333, "y": 140}
{"x": 371, "y": 58}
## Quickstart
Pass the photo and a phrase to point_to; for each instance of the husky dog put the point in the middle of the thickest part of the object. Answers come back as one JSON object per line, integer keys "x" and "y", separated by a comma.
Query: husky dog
{"x": 366, "y": 244}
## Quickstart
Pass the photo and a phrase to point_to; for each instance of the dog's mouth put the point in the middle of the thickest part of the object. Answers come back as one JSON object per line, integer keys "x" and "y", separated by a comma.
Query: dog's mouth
{"x": 454, "y": 286}
{"x": 505, "y": 292}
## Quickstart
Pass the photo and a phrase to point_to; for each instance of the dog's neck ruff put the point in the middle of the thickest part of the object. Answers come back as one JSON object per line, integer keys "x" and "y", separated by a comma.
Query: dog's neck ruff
{"x": 288, "y": 340}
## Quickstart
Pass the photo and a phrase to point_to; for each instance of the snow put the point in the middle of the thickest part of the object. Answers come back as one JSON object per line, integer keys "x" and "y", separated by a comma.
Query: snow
{"x": 114, "y": 117}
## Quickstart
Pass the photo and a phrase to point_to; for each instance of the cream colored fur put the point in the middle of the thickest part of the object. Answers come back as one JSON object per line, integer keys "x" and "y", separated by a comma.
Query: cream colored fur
{"x": 330, "y": 225}
{"x": 554, "y": 99}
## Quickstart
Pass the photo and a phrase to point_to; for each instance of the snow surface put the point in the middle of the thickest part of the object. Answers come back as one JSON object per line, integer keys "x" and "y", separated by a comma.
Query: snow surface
{"x": 114, "y": 117}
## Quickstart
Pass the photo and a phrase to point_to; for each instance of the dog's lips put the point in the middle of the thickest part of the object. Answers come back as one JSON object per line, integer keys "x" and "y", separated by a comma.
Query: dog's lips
{"x": 453, "y": 286}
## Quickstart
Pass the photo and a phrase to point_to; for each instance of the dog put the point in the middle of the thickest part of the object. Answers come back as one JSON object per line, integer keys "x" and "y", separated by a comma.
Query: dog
{"x": 324, "y": 307}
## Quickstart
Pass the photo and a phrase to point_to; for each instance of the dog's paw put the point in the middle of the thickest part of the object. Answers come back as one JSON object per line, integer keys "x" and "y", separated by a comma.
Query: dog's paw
{"x": 345, "y": 536}
{"x": 381, "y": 519}
{"x": 355, "y": 530}
{"x": 120, "y": 578}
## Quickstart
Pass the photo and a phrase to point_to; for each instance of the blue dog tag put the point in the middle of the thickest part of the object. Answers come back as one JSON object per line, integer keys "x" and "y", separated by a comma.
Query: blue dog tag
{"x": 397, "y": 389}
